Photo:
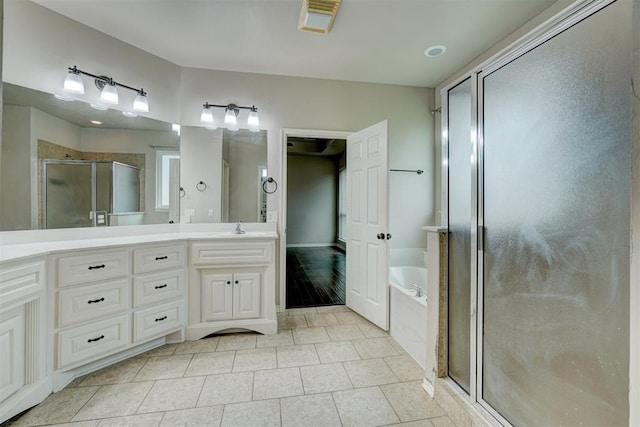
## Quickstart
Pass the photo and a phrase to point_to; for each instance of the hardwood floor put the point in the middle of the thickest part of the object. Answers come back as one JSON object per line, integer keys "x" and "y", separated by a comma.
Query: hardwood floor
{"x": 315, "y": 276}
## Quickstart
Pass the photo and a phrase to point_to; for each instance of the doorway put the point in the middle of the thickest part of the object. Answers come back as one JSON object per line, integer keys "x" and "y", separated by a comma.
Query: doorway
{"x": 316, "y": 202}
{"x": 366, "y": 219}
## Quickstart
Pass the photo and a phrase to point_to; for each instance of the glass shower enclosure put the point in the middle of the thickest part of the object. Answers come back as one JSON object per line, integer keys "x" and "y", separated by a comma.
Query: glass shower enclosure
{"x": 80, "y": 193}
{"x": 538, "y": 167}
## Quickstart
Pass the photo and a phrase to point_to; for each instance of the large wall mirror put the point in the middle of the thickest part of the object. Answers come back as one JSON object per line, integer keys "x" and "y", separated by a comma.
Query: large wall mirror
{"x": 66, "y": 164}
{"x": 225, "y": 180}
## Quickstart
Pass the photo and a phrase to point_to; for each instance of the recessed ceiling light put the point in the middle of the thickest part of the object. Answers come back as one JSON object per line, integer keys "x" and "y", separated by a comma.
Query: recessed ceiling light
{"x": 433, "y": 51}
{"x": 96, "y": 122}
{"x": 63, "y": 97}
{"x": 99, "y": 107}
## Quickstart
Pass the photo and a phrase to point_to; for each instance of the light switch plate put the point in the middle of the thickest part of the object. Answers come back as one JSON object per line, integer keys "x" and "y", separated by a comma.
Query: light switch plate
{"x": 272, "y": 216}
{"x": 189, "y": 212}
{"x": 210, "y": 212}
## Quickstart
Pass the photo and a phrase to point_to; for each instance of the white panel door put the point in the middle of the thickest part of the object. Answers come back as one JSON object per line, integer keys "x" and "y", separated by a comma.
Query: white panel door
{"x": 367, "y": 219}
{"x": 246, "y": 295}
{"x": 217, "y": 294}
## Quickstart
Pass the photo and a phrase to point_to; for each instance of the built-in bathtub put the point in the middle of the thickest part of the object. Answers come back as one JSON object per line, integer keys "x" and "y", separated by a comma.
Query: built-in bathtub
{"x": 408, "y": 313}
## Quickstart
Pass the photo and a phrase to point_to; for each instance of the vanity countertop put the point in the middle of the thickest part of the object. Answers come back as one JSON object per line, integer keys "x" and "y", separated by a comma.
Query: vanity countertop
{"x": 15, "y": 245}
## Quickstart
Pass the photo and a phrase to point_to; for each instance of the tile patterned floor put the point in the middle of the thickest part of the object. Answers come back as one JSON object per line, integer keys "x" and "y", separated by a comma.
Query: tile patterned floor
{"x": 327, "y": 366}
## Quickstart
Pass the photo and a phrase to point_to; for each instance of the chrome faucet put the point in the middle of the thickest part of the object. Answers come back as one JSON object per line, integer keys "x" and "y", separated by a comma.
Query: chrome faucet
{"x": 239, "y": 229}
{"x": 418, "y": 290}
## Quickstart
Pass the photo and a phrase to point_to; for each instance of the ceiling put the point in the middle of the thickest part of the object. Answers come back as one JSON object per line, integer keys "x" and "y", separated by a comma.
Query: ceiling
{"x": 378, "y": 41}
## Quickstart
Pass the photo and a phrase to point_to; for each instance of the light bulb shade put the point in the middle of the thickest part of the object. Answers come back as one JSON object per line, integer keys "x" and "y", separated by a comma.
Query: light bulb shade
{"x": 141, "y": 103}
{"x": 109, "y": 94}
{"x": 230, "y": 118}
{"x": 253, "y": 121}
{"x": 206, "y": 116}
{"x": 73, "y": 83}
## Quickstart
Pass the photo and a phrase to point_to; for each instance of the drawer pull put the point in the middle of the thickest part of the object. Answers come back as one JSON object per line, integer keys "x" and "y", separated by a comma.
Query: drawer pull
{"x": 95, "y": 267}
{"x": 158, "y": 258}
{"x": 95, "y": 339}
{"x": 160, "y": 319}
{"x": 94, "y": 301}
{"x": 161, "y": 286}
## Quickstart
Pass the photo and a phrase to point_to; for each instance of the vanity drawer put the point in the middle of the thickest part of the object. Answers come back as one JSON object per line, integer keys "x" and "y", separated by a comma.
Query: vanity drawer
{"x": 158, "y": 258}
{"x": 231, "y": 253}
{"x": 92, "y": 267}
{"x": 89, "y": 341}
{"x": 156, "y": 321}
{"x": 157, "y": 287}
{"x": 93, "y": 301}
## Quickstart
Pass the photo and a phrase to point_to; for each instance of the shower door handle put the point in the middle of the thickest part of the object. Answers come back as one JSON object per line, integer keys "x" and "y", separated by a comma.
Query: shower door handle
{"x": 380, "y": 236}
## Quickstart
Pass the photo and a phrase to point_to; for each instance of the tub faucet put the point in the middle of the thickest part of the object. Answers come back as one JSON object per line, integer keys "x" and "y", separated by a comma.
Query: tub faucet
{"x": 239, "y": 229}
{"x": 418, "y": 290}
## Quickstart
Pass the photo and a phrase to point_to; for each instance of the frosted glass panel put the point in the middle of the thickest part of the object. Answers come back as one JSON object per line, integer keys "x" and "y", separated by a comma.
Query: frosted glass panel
{"x": 68, "y": 192}
{"x": 556, "y": 212}
{"x": 459, "y": 289}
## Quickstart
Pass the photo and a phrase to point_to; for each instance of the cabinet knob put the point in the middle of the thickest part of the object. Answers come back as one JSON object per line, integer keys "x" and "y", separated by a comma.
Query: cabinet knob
{"x": 228, "y": 282}
{"x": 237, "y": 282}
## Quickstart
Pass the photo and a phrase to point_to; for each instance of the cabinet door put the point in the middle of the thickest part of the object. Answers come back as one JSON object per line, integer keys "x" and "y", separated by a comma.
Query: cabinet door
{"x": 12, "y": 354}
{"x": 246, "y": 295}
{"x": 217, "y": 291}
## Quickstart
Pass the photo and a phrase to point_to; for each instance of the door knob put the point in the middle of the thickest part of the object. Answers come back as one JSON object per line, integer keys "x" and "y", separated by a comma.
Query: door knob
{"x": 388, "y": 236}
{"x": 380, "y": 236}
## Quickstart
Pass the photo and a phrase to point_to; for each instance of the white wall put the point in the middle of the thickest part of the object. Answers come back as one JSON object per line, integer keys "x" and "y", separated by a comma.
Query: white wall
{"x": 133, "y": 141}
{"x": 201, "y": 160}
{"x": 312, "y": 183}
{"x": 15, "y": 181}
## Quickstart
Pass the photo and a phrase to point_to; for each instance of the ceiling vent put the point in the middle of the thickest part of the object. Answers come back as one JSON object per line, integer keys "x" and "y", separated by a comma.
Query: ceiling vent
{"x": 317, "y": 15}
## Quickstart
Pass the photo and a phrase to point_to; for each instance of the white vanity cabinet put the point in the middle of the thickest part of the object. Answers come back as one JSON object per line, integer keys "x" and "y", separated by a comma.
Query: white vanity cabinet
{"x": 230, "y": 296}
{"x": 110, "y": 301}
{"x": 159, "y": 293}
{"x": 232, "y": 286}
{"x": 93, "y": 298}
{"x": 23, "y": 336}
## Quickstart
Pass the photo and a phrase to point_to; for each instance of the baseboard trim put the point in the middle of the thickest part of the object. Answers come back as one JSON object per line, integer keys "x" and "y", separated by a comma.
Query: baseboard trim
{"x": 312, "y": 245}
{"x": 428, "y": 387}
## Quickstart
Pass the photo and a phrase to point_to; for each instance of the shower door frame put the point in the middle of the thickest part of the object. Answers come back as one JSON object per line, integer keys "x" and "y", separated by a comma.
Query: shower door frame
{"x": 567, "y": 18}
{"x": 44, "y": 191}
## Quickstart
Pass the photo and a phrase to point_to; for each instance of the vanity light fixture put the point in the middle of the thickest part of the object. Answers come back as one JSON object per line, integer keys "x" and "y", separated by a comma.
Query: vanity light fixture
{"x": 230, "y": 116}
{"x": 73, "y": 82}
{"x": 107, "y": 86}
